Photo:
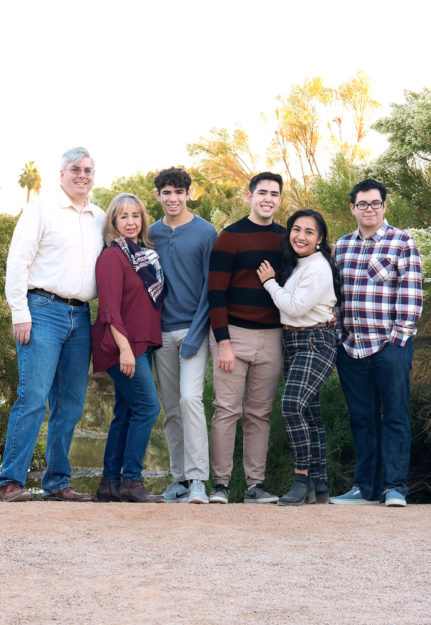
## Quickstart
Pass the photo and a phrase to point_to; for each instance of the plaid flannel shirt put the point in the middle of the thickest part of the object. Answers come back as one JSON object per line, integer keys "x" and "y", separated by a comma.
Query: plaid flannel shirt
{"x": 381, "y": 288}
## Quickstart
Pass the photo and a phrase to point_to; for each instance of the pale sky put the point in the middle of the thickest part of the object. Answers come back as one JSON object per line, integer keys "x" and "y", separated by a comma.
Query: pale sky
{"x": 135, "y": 81}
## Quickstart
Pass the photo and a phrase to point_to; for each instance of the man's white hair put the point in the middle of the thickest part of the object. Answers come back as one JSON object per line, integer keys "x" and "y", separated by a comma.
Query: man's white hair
{"x": 74, "y": 155}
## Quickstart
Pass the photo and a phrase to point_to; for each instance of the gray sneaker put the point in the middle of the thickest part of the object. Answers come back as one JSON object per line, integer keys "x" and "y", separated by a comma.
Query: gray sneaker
{"x": 176, "y": 492}
{"x": 259, "y": 494}
{"x": 219, "y": 494}
{"x": 197, "y": 492}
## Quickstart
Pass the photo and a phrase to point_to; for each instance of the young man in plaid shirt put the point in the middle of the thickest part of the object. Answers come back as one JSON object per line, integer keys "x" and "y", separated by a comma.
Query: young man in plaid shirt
{"x": 380, "y": 276}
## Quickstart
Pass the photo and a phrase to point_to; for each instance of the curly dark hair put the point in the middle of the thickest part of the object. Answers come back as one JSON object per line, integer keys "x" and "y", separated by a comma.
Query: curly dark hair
{"x": 173, "y": 176}
{"x": 290, "y": 257}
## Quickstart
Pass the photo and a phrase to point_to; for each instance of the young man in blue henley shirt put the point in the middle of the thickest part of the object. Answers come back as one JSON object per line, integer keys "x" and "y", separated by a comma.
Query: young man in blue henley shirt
{"x": 183, "y": 242}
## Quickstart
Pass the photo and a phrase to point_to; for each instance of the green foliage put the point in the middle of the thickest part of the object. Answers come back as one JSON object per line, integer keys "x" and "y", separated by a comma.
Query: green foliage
{"x": 219, "y": 203}
{"x": 279, "y": 468}
{"x": 422, "y": 237}
{"x": 405, "y": 167}
{"x": 141, "y": 185}
{"x": 331, "y": 196}
{"x": 8, "y": 364}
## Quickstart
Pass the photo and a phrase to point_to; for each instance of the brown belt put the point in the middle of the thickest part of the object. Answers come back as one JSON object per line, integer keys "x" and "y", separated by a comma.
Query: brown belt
{"x": 327, "y": 324}
{"x": 71, "y": 302}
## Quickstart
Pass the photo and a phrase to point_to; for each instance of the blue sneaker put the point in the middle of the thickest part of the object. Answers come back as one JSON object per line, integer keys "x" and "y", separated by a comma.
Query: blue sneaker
{"x": 354, "y": 496}
{"x": 394, "y": 498}
{"x": 176, "y": 492}
{"x": 197, "y": 492}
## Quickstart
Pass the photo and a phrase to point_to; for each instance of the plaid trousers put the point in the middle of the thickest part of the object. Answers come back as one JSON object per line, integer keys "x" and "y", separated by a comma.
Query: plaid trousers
{"x": 309, "y": 357}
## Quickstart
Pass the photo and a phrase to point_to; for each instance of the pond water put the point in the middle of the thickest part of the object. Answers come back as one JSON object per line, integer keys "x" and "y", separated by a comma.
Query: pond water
{"x": 88, "y": 445}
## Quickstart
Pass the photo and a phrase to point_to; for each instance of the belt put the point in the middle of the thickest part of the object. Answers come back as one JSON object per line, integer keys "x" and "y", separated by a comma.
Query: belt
{"x": 327, "y": 324}
{"x": 71, "y": 302}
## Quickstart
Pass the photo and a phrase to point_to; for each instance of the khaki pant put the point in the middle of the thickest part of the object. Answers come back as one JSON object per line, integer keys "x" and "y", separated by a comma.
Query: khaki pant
{"x": 180, "y": 382}
{"x": 248, "y": 393}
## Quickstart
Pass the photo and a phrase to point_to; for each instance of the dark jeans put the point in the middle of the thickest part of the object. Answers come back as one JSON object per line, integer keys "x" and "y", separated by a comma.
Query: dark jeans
{"x": 135, "y": 412}
{"x": 377, "y": 392}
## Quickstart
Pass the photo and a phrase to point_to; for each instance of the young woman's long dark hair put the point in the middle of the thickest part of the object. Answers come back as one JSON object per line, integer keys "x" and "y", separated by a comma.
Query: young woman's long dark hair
{"x": 290, "y": 257}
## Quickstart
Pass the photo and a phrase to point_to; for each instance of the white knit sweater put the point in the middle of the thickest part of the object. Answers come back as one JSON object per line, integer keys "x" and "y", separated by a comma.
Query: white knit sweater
{"x": 308, "y": 295}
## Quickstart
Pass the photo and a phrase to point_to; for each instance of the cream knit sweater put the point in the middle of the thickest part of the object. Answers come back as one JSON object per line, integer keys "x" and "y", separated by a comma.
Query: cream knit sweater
{"x": 308, "y": 295}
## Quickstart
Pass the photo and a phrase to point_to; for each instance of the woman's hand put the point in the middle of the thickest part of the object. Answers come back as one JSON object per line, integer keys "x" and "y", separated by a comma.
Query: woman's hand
{"x": 265, "y": 271}
{"x": 127, "y": 359}
{"x": 127, "y": 362}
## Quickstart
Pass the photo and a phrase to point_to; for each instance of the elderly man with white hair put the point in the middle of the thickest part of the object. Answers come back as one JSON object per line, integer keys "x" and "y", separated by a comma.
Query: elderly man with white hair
{"x": 50, "y": 279}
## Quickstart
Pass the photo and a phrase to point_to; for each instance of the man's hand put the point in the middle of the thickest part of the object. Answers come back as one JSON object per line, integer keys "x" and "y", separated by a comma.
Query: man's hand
{"x": 21, "y": 332}
{"x": 265, "y": 271}
{"x": 226, "y": 357}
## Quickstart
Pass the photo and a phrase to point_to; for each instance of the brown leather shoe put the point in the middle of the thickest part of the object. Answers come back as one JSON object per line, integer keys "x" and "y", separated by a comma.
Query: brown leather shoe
{"x": 13, "y": 492}
{"x": 68, "y": 494}
{"x": 136, "y": 491}
{"x": 108, "y": 491}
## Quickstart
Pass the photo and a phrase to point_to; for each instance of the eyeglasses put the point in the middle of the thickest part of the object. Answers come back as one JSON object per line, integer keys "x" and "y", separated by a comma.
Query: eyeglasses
{"x": 88, "y": 171}
{"x": 363, "y": 206}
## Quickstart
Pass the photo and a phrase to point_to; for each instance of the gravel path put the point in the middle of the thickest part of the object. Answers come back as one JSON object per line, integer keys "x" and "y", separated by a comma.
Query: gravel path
{"x": 179, "y": 564}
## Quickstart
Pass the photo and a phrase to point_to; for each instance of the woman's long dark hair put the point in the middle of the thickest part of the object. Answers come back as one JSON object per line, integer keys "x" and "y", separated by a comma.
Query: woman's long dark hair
{"x": 290, "y": 257}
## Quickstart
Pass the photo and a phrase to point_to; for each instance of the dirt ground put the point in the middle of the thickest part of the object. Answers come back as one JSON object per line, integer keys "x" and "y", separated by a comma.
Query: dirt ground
{"x": 181, "y": 564}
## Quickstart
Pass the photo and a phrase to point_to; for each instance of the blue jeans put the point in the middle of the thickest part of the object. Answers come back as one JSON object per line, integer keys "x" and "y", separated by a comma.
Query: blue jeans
{"x": 52, "y": 366}
{"x": 377, "y": 384}
{"x": 136, "y": 410}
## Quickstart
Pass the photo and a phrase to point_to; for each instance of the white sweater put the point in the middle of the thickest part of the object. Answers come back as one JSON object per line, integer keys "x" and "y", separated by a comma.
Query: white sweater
{"x": 308, "y": 295}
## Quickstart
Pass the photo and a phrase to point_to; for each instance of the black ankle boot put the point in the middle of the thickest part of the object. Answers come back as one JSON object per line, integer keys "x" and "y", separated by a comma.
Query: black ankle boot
{"x": 108, "y": 491}
{"x": 321, "y": 490}
{"x": 301, "y": 491}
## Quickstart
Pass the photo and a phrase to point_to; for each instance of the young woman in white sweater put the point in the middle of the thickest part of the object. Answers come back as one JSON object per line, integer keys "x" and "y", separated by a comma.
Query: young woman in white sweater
{"x": 306, "y": 297}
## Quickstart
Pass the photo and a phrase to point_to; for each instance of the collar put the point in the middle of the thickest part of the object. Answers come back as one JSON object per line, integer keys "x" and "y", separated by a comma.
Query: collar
{"x": 376, "y": 236}
{"x": 65, "y": 202}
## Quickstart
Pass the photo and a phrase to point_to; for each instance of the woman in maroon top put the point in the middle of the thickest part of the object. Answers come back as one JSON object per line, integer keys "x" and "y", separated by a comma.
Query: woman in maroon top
{"x": 128, "y": 327}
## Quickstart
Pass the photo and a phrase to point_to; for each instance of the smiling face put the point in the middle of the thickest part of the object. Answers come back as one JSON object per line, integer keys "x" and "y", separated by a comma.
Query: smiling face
{"x": 264, "y": 201}
{"x": 128, "y": 221}
{"x": 78, "y": 185}
{"x": 173, "y": 201}
{"x": 304, "y": 236}
{"x": 371, "y": 219}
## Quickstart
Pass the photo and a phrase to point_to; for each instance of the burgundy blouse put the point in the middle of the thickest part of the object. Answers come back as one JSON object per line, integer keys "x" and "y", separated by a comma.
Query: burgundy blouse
{"x": 123, "y": 302}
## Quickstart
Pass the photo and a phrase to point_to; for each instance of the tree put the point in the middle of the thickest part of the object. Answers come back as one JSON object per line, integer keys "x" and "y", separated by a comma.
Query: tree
{"x": 355, "y": 96}
{"x": 405, "y": 167}
{"x": 220, "y": 202}
{"x": 8, "y": 363}
{"x": 331, "y": 196}
{"x": 141, "y": 185}
{"x": 310, "y": 123}
{"x": 225, "y": 158}
{"x": 30, "y": 179}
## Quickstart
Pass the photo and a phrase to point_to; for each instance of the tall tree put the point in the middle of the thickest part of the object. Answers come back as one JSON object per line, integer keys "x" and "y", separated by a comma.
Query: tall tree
{"x": 355, "y": 97}
{"x": 224, "y": 157}
{"x": 30, "y": 179}
{"x": 405, "y": 167}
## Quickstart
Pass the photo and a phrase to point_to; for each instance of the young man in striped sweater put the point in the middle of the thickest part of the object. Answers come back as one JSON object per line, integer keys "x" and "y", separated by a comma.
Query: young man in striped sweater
{"x": 245, "y": 341}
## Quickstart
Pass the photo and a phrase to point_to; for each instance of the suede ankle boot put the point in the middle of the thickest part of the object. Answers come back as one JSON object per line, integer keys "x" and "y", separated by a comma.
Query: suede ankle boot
{"x": 301, "y": 491}
{"x": 108, "y": 491}
{"x": 136, "y": 492}
{"x": 321, "y": 490}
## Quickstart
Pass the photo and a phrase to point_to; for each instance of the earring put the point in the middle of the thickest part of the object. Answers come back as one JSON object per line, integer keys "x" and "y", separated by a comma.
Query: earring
{"x": 318, "y": 246}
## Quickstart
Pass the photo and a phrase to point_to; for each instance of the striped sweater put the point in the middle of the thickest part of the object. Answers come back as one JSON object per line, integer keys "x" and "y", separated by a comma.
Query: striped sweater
{"x": 236, "y": 295}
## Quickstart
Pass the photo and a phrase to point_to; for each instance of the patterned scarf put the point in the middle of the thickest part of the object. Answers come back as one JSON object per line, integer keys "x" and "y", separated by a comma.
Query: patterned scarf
{"x": 146, "y": 264}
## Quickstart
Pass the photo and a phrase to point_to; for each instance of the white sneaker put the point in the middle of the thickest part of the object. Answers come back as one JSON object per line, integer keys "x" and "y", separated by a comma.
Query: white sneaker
{"x": 197, "y": 492}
